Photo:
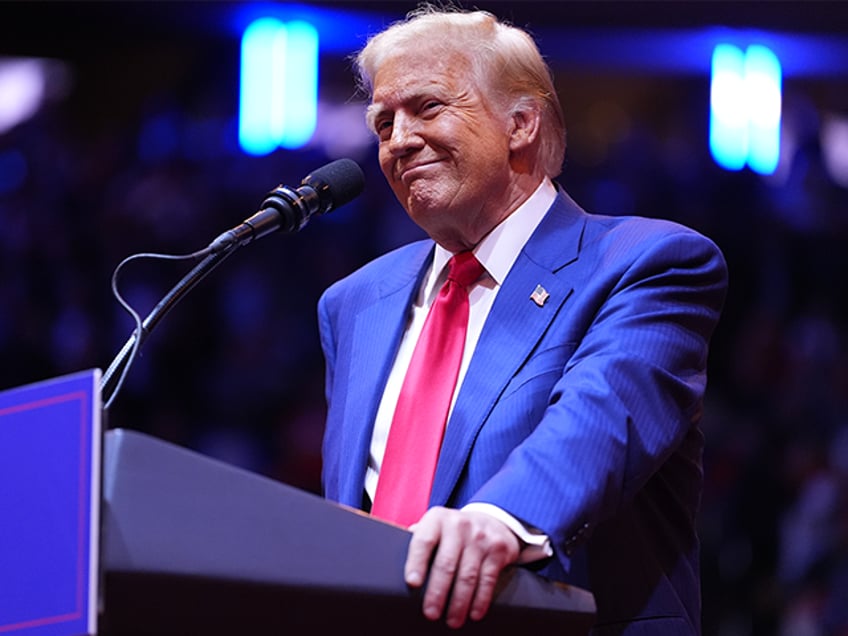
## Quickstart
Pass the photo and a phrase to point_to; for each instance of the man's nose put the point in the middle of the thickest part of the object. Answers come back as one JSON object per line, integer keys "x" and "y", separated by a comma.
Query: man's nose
{"x": 406, "y": 134}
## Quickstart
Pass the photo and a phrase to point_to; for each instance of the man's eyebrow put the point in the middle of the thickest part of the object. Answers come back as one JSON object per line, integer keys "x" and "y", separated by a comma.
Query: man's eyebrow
{"x": 373, "y": 111}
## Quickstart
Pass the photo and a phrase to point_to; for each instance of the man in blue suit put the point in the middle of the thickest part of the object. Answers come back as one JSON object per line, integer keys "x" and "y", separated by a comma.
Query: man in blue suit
{"x": 573, "y": 443}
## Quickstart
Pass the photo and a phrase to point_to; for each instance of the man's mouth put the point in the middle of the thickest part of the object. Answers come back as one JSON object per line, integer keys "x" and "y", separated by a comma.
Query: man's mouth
{"x": 408, "y": 173}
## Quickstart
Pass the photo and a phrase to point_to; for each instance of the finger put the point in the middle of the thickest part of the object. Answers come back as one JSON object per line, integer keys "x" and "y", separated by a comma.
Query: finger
{"x": 501, "y": 549}
{"x": 442, "y": 573}
{"x": 485, "y": 592}
{"x": 424, "y": 540}
{"x": 464, "y": 586}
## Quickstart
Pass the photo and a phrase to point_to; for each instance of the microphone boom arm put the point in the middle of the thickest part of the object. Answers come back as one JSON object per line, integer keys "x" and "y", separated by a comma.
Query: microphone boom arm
{"x": 283, "y": 209}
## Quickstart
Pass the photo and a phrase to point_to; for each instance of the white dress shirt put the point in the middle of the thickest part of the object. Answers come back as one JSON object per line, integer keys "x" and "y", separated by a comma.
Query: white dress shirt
{"x": 497, "y": 253}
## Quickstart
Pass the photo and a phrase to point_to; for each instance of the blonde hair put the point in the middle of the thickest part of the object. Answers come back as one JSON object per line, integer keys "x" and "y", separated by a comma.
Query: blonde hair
{"x": 503, "y": 58}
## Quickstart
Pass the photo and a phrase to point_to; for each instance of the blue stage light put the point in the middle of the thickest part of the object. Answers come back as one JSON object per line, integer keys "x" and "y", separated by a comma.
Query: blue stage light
{"x": 745, "y": 108}
{"x": 278, "y": 98}
{"x": 299, "y": 78}
{"x": 728, "y": 116}
{"x": 763, "y": 80}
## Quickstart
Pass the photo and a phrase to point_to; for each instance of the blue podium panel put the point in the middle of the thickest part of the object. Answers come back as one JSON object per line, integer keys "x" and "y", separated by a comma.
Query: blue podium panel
{"x": 49, "y": 506}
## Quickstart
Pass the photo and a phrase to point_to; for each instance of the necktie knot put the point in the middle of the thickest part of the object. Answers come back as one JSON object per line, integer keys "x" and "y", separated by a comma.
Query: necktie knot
{"x": 464, "y": 269}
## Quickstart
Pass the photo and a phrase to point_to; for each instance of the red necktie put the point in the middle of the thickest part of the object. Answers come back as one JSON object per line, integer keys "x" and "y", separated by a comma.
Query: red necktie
{"x": 415, "y": 437}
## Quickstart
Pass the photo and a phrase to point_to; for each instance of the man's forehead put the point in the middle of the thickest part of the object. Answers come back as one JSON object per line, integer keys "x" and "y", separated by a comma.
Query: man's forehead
{"x": 409, "y": 87}
{"x": 408, "y": 75}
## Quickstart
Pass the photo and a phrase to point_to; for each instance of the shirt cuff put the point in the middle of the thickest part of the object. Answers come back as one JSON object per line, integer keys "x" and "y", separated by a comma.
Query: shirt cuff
{"x": 535, "y": 544}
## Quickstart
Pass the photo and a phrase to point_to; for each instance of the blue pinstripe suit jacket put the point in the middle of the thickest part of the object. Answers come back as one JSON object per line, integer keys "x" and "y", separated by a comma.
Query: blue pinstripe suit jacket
{"x": 580, "y": 417}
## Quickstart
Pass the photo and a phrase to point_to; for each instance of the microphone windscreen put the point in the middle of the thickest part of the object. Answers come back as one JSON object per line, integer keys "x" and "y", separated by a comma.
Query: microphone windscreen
{"x": 337, "y": 183}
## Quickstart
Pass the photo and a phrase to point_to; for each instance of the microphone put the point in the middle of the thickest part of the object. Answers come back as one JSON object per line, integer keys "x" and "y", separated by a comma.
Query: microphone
{"x": 321, "y": 191}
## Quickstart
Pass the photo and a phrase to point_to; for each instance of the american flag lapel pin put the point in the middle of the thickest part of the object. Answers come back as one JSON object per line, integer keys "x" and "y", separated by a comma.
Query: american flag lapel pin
{"x": 539, "y": 295}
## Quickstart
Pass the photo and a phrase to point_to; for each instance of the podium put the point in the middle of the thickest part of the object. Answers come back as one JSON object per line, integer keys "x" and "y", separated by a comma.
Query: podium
{"x": 195, "y": 546}
{"x": 124, "y": 534}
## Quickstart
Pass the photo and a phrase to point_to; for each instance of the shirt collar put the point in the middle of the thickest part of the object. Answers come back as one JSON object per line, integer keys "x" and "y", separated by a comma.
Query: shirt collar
{"x": 500, "y": 247}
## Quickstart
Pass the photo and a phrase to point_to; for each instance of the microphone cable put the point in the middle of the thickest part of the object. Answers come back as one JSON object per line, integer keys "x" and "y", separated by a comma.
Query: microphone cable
{"x": 128, "y": 354}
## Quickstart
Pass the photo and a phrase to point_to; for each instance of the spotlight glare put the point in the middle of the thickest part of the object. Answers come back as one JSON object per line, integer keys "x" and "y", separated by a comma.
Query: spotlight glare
{"x": 745, "y": 108}
{"x": 279, "y": 85}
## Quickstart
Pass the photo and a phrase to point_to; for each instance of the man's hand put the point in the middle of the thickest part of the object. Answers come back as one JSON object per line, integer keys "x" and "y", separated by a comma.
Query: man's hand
{"x": 471, "y": 548}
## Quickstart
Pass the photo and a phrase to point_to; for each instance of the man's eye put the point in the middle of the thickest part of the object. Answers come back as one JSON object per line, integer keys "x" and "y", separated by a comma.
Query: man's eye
{"x": 431, "y": 104}
{"x": 383, "y": 124}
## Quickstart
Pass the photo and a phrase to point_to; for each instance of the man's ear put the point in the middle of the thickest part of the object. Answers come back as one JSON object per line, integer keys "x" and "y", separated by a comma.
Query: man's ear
{"x": 525, "y": 122}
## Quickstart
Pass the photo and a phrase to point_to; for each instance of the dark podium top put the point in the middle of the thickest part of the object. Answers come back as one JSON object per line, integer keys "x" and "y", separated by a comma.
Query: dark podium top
{"x": 192, "y": 545}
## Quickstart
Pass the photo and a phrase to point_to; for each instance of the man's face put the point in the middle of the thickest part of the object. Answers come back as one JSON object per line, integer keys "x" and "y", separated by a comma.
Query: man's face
{"x": 444, "y": 147}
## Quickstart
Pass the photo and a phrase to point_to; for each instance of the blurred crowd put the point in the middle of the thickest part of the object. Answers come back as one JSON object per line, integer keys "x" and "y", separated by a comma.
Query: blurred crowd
{"x": 235, "y": 370}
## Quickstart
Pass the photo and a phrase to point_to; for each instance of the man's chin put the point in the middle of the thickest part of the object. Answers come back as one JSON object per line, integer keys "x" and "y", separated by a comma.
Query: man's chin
{"x": 423, "y": 203}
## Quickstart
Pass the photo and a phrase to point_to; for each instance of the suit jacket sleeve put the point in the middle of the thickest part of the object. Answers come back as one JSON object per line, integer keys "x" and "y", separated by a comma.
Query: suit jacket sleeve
{"x": 631, "y": 347}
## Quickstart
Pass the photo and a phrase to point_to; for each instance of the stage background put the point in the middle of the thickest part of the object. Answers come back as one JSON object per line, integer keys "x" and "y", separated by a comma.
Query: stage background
{"x": 134, "y": 149}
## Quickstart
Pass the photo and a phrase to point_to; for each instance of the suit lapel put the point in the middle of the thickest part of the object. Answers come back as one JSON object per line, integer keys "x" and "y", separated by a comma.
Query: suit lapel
{"x": 515, "y": 325}
{"x": 378, "y": 328}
